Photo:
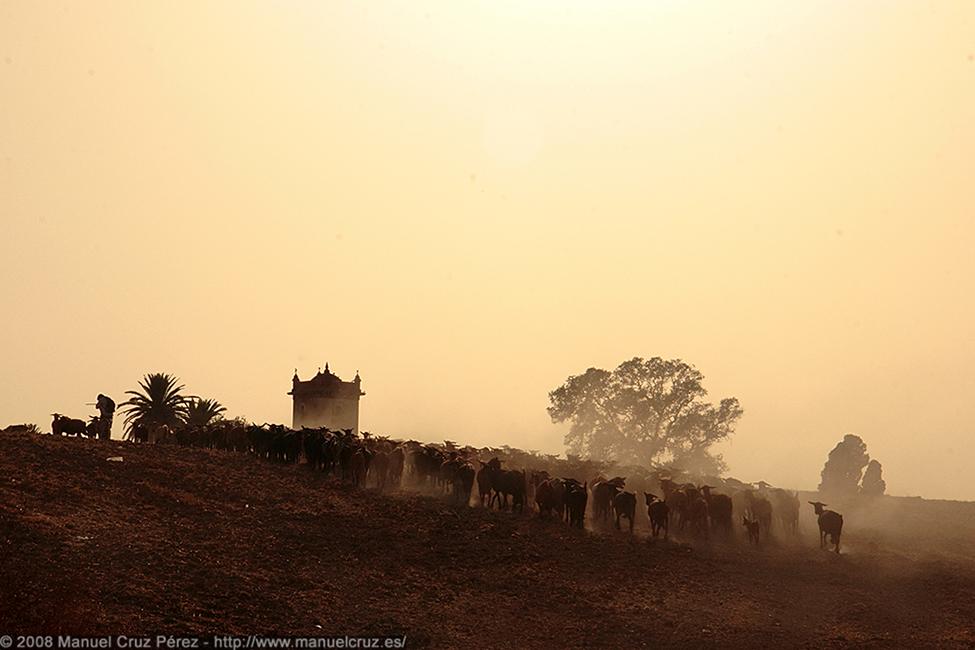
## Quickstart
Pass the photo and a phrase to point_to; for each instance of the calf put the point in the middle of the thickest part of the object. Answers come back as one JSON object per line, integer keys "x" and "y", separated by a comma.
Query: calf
{"x": 760, "y": 509}
{"x": 96, "y": 427}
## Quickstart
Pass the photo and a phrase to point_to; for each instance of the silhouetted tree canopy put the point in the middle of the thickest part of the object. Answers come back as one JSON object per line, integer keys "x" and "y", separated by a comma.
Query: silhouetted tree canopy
{"x": 873, "y": 483}
{"x": 201, "y": 412}
{"x": 844, "y": 467}
{"x": 644, "y": 412}
{"x": 160, "y": 401}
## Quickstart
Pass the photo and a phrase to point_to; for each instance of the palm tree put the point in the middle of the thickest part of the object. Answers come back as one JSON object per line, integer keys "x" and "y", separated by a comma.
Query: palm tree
{"x": 201, "y": 412}
{"x": 159, "y": 402}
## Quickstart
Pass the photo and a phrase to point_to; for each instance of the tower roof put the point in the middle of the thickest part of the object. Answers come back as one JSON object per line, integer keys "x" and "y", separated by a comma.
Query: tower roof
{"x": 326, "y": 384}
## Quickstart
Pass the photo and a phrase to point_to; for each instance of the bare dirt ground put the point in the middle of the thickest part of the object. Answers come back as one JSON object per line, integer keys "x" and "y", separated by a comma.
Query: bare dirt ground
{"x": 188, "y": 541}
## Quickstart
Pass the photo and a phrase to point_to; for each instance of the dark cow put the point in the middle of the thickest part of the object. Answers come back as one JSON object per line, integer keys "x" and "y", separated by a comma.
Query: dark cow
{"x": 659, "y": 514}
{"x": 696, "y": 516}
{"x": 760, "y": 509}
{"x": 397, "y": 459}
{"x": 463, "y": 482}
{"x": 484, "y": 484}
{"x": 603, "y": 494}
{"x": 138, "y": 432}
{"x": 567, "y": 485}
{"x": 624, "y": 505}
{"x": 550, "y": 497}
{"x": 505, "y": 483}
{"x": 676, "y": 500}
{"x": 359, "y": 466}
{"x": 830, "y": 523}
{"x": 65, "y": 426}
{"x": 719, "y": 509}
{"x": 535, "y": 478}
{"x": 448, "y": 471}
{"x": 515, "y": 483}
{"x": 545, "y": 498}
{"x": 754, "y": 530}
{"x": 785, "y": 505}
{"x": 379, "y": 468}
{"x": 95, "y": 428}
{"x": 576, "y": 497}
{"x": 426, "y": 462}
{"x": 313, "y": 442}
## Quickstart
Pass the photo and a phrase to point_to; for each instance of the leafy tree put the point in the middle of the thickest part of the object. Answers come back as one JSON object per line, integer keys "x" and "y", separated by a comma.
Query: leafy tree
{"x": 645, "y": 411}
{"x": 160, "y": 401}
{"x": 842, "y": 471}
{"x": 201, "y": 412}
{"x": 873, "y": 483}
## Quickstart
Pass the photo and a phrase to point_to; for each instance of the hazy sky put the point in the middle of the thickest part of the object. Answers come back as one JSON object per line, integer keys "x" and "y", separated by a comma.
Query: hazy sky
{"x": 467, "y": 202}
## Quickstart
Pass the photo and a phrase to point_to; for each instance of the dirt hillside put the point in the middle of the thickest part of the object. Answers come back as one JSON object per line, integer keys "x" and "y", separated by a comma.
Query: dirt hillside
{"x": 174, "y": 540}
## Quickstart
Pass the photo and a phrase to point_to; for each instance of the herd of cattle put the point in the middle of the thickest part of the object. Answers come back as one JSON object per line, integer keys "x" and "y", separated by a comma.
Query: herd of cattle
{"x": 689, "y": 509}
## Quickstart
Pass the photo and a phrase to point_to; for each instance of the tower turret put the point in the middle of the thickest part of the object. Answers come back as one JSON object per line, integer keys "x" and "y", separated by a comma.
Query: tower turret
{"x": 326, "y": 401}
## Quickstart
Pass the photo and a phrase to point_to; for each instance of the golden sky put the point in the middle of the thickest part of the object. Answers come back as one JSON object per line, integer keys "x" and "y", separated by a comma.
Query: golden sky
{"x": 469, "y": 201}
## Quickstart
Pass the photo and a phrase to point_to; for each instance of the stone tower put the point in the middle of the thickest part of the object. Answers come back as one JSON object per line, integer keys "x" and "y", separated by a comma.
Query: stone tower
{"x": 326, "y": 401}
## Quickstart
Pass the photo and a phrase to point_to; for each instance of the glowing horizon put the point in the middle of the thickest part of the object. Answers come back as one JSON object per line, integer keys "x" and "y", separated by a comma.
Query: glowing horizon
{"x": 470, "y": 202}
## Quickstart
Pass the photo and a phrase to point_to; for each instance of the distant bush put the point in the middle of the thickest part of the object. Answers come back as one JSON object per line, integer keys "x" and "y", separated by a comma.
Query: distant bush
{"x": 873, "y": 483}
{"x": 844, "y": 467}
{"x": 21, "y": 428}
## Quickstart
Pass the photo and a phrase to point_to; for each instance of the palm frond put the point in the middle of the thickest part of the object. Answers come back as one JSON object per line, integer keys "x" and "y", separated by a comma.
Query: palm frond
{"x": 160, "y": 401}
{"x": 201, "y": 412}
